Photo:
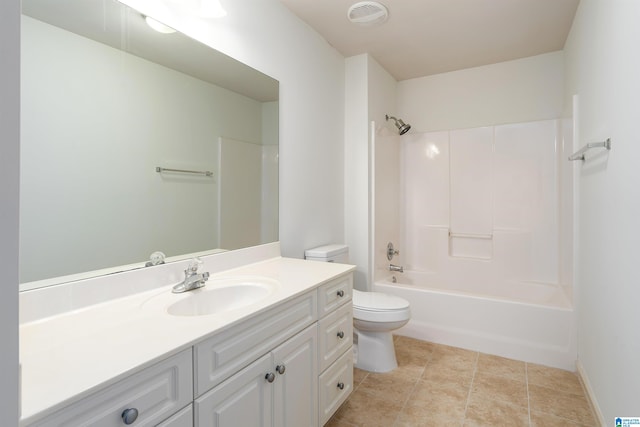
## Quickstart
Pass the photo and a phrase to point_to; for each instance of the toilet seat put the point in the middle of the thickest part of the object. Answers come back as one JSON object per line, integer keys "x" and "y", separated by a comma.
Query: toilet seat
{"x": 379, "y": 307}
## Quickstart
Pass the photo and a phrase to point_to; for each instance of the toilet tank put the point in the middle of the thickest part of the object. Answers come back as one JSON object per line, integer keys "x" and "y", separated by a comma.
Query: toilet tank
{"x": 328, "y": 253}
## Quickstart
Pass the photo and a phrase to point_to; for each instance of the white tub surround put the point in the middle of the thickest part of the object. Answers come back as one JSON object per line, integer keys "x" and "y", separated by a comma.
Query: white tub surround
{"x": 72, "y": 354}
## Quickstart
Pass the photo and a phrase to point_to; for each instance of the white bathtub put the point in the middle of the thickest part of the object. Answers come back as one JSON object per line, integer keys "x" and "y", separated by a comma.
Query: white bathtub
{"x": 526, "y": 321}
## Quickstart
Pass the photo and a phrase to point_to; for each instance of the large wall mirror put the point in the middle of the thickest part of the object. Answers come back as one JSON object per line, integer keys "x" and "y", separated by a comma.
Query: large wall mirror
{"x": 134, "y": 141}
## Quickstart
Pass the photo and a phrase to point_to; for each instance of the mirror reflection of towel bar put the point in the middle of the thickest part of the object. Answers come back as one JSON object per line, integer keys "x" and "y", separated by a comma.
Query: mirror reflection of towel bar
{"x": 160, "y": 170}
{"x": 470, "y": 235}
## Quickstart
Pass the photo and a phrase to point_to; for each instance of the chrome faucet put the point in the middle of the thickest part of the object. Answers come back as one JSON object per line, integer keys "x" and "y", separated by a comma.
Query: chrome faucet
{"x": 192, "y": 279}
{"x": 397, "y": 268}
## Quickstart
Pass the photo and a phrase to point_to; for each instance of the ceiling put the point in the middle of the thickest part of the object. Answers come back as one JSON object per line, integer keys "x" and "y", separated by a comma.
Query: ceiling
{"x": 425, "y": 37}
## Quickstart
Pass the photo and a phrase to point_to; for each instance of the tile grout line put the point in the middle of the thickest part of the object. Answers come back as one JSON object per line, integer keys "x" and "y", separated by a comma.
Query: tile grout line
{"x": 526, "y": 382}
{"x": 404, "y": 405}
{"x": 473, "y": 377}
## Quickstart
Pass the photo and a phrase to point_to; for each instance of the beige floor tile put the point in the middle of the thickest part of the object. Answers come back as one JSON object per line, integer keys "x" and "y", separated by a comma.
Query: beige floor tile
{"x": 564, "y": 405}
{"x": 335, "y": 422}
{"x": 448, "y": 375}
{"x": 390, "y": 386}
{"x": 451, "y": 364}
{"x": 412, "y": 345}
{"x": 483, "y": 412}
{"x": 431, "y": 420}
{"x": 501, "y": 367}
{"x": 539, "y": 419}
{"x": 431, "y": 402}
{"x": 499, "y": 388}
{"x": 362, "y": 409}
{"x": 358, "y": 376}
{"x": 553, "y": 378}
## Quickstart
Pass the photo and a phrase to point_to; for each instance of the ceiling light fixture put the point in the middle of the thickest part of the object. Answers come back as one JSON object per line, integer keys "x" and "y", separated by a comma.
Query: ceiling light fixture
{"x": 158, "y": 26}
{"x": 212, "y": 9}
{"x": 368, "y": 13}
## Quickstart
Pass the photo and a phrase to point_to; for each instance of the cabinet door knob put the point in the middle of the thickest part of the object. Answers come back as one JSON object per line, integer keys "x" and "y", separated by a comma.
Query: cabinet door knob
{"x": 341, "y": 386}
{"x": 130, "y": 415}
{"x": 340, "y": 334}
{"x": 270, "y": 377}
{"x": 340, "y": 293}
{"x": 280, "y": 369}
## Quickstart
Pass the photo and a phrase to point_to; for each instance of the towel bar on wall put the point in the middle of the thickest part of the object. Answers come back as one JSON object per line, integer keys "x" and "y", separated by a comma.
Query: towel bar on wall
{"x": 579, "y": 155}
{"x": 160, "y": 170}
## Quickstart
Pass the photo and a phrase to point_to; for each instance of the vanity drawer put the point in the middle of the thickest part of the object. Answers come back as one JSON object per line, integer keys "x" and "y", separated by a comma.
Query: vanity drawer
{"x": 155, "y": 393}
{"x": 226, "y": 353}
{"x": 333, "y": 294}
{"x": 183, "y": 418}
{"x": 335, "y": 335}
{"x": 335, "y": 385}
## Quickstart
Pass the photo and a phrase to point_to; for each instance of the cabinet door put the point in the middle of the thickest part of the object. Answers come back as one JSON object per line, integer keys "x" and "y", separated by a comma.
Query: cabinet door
{"x": 296, "y": 384}
{"x": 245, "y": 399}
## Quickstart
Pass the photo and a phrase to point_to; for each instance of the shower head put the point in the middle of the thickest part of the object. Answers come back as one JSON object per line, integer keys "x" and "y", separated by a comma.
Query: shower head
{"x": 402, "y": 126}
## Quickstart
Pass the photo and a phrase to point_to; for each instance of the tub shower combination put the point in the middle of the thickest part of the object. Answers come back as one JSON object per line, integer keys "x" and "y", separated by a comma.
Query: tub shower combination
{"x": 484, "y": 232}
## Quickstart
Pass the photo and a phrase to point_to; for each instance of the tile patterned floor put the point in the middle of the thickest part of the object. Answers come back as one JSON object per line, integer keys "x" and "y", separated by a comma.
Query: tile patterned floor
{"x": 437, "y": 385}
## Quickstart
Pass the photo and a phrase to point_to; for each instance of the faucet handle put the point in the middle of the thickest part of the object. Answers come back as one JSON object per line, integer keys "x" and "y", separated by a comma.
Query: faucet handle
{"x": 194, "y": 264}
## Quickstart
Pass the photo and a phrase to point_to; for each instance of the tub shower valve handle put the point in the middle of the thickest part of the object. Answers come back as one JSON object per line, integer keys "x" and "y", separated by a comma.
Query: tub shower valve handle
{"x": 391, "y": 251}
{"x": 398, "y": 268}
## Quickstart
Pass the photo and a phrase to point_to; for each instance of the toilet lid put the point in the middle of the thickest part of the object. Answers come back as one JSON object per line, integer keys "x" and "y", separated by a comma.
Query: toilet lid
{"x": 378, "y": 301}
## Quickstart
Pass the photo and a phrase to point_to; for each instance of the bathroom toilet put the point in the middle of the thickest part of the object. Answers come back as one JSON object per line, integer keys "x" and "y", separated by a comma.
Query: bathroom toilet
{"x": 375, "y": 316}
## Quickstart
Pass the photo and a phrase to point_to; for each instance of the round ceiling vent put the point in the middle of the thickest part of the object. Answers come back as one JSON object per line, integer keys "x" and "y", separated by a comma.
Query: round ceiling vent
{"x": 368, "y": 13}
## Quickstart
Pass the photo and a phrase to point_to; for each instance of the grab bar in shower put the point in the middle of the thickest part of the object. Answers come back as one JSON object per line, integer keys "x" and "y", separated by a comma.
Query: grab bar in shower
{"x": 206, "y": 173}
{"x": 579, "y": 155}
{"x": 471, "y": 235}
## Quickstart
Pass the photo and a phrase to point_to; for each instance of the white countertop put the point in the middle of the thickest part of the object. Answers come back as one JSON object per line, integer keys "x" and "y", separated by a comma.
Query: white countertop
{"x": 68, "y": 356}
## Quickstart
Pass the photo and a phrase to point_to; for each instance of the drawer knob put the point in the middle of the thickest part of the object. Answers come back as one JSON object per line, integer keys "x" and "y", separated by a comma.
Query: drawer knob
{"x": 280, "y": 369}
{"x": 130, "y": 415}
{"x": 340, "y": 334}
{"x": 270, "y": 377}
{"x": 340, "y": 293}
{"x": 341, "y": 386}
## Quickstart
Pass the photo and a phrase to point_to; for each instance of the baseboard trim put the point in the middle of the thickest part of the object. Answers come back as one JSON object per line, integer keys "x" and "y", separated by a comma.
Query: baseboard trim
{"x": 588, "y": 391}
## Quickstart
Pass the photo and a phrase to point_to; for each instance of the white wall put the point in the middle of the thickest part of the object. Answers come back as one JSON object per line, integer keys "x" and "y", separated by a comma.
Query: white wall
{"x": 267, "y": 36}
{"x": 603, "y": 68}
{"x": 9, "y": 173}
{"x": 369, "y": 94}
{"x": 508, "y": 92}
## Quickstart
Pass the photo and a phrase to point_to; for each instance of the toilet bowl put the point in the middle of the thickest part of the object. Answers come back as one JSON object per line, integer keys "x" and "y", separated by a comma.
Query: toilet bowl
{"x": 375, "y": 316}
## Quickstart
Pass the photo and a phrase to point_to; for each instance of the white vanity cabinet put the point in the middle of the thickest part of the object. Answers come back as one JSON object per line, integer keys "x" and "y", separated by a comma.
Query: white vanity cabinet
{"x": 335, "y": 355}
{"x": 145, "y": 399}
{"x": 294, "y": 360}
{"x": 276, "y": 390}
{"x": 288, "y": 365}
{"x": 279, "y": 388}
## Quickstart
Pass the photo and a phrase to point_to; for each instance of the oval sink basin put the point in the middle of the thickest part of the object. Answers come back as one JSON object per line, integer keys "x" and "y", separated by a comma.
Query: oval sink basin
{"x": 222, "y": 295}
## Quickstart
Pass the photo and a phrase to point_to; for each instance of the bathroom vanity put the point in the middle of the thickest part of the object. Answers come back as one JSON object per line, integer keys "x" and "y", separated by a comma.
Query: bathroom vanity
{"x": 283, "y": 360}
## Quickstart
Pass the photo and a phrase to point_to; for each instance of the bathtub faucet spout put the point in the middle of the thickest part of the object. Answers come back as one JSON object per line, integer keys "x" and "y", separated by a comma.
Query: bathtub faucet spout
{"x": 397, "y": 268}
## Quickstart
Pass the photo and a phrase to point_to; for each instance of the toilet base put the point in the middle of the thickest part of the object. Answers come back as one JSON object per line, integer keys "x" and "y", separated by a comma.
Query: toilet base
{"x": 375, "y": 351}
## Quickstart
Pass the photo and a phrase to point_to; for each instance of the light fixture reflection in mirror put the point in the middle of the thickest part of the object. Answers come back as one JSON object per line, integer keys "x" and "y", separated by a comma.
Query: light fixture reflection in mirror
{"x": 158, "y": 26}
{"x": 118, "y": 100}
